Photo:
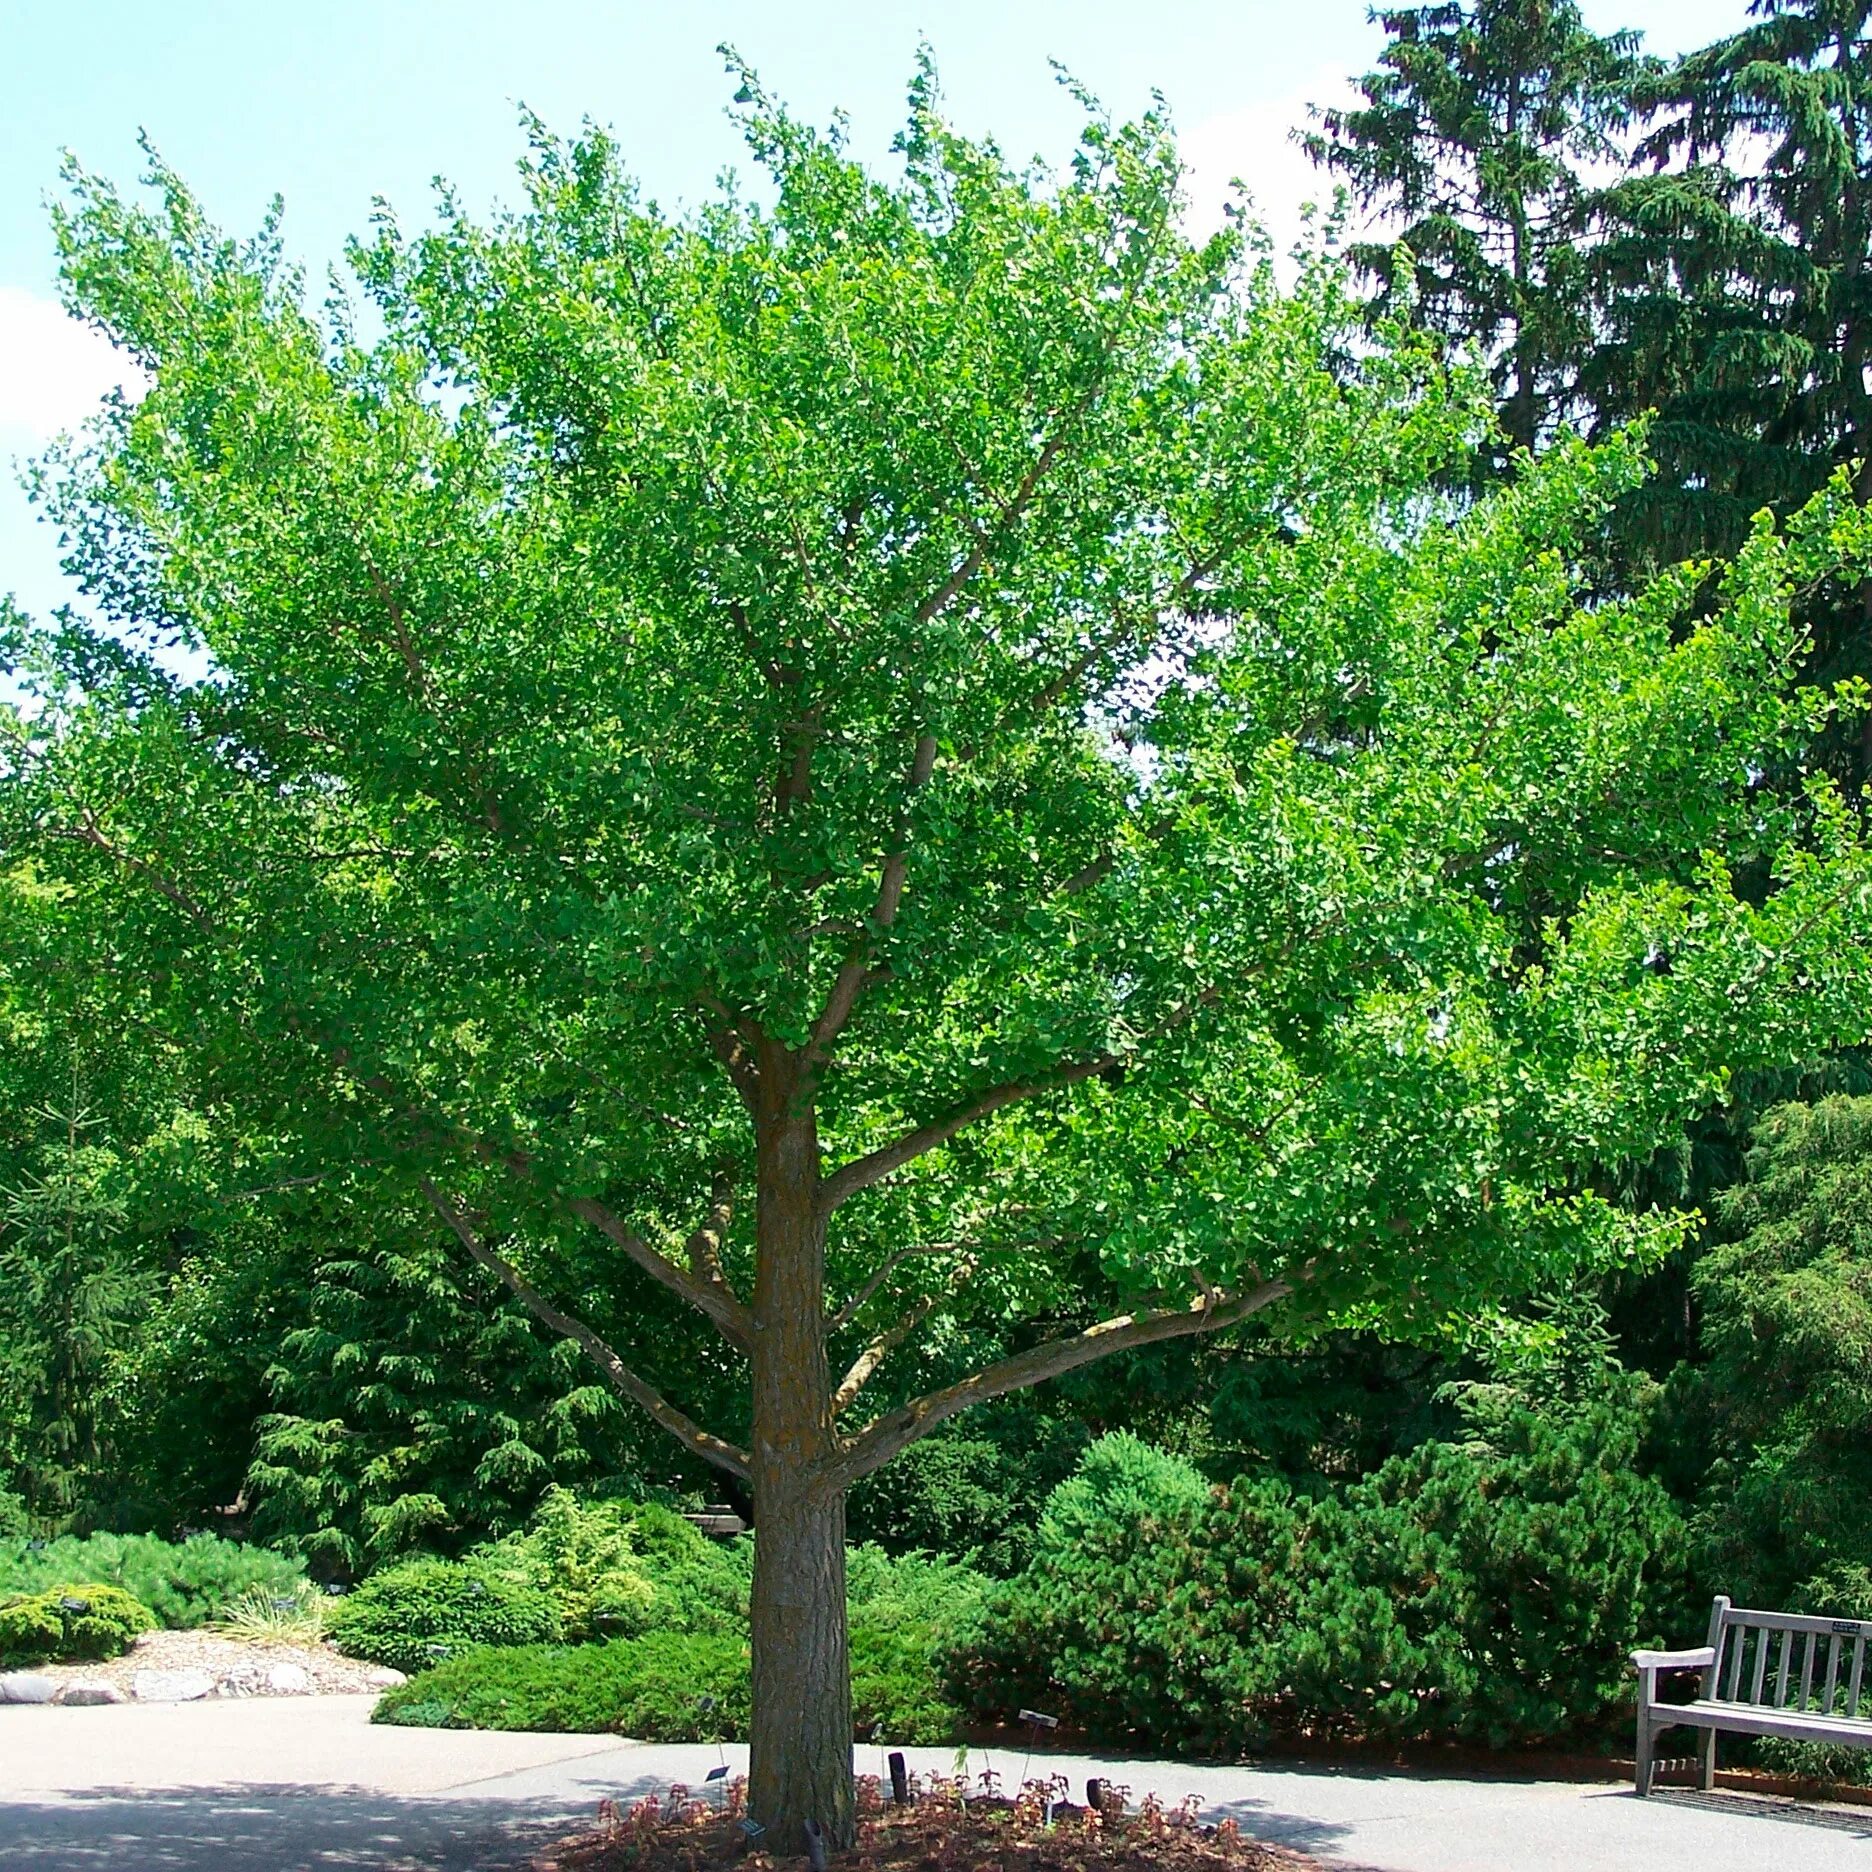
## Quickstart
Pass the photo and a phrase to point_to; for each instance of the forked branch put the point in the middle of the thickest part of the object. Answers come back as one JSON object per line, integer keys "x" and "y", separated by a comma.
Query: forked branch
{"x": 880, "y": 1348}
{"x": 684, "y": 1429}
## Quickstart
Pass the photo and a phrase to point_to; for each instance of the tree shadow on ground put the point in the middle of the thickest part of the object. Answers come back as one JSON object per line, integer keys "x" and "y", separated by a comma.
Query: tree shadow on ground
{"x": 270, "y": 1829}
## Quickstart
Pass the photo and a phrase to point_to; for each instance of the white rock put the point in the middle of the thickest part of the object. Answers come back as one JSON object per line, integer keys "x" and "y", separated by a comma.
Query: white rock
{"x": 288, "y": 1680}
{"x": 384, "y": 1678}
{"x": 88, "y": 1693}
{"x": 26, "y": 1687}
{"x": 242, "y": 1681}
{"x": 171, "y": 1686}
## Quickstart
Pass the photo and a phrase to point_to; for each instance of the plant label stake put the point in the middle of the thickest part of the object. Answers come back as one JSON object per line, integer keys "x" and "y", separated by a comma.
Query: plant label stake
{"x": 1036, "y": 1721}
{"x": 815, "y": 1847}
{"x": 899, "y": 1779}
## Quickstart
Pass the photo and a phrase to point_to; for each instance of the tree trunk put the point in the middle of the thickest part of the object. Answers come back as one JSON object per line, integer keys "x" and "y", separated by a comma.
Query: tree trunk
{"x": 800, "y": 1768}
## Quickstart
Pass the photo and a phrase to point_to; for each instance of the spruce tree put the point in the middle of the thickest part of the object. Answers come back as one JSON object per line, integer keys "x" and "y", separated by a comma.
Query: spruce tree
{"x": 1734, "y": 299}
{"x": 1478, "y": 141}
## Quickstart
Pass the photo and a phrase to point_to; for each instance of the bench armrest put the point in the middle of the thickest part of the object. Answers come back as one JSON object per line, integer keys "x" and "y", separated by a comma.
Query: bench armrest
{"x": 1699, "y": 1659}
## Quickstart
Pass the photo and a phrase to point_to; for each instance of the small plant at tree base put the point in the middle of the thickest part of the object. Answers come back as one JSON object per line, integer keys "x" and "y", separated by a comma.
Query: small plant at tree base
{"x": 75, "y": 1620}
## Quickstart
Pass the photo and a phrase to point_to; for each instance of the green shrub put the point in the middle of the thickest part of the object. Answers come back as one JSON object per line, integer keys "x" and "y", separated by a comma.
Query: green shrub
{"x": 583, "y": 1556}
{"x": 1148, "y": 1609}
{"x": 76, "y": 1619}
{"x": 411, "y": 1615}
{"x": 660, "y": 1687}
{"x": 905, "y": 1612}
{"x": 184, "y": 1583}
{"x": 972, "y": 1490}
{"x": 1483, "y": 1591}
{"x": 1490, "y": 1595}
{"x": 1785, "y": 1397}
{"x": 699, "y": 1585}
{"x": 670, "y": 1684}
{"x": 897, "y": 1688}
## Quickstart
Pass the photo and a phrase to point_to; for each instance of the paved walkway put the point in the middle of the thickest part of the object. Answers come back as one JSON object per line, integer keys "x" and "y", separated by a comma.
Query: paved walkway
{"x": 305, "y": 1785}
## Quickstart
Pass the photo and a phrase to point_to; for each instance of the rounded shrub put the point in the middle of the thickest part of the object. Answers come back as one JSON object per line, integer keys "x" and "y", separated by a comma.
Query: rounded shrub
{"x": 424, "y": 1611}
{"x": 70, "y": 1621}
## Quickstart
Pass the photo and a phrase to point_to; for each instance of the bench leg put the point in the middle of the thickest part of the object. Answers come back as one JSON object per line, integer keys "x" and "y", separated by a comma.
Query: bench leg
{"x": 1706, "y": 1760}
{"x": 1645, "y": 1733}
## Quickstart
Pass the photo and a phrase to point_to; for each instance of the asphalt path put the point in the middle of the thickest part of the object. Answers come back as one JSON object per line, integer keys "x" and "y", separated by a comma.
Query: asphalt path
{"x": 306, "y": 1784}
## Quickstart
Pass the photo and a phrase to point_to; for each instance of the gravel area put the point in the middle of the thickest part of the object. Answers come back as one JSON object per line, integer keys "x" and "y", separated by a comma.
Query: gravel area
{"x": 168, "y": 1666}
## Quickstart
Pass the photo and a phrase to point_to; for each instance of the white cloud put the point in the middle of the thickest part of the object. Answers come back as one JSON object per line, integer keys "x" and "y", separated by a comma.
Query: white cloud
{"x": 1255, "y": 143}
{"x": 53, "y": 369}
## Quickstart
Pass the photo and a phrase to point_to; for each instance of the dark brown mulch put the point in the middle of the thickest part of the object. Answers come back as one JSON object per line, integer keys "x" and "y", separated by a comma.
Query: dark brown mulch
{"x": 949, "y": 1827}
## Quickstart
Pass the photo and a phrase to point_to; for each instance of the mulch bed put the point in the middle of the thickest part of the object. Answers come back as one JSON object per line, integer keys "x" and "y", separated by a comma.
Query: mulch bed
{"x": 950, "y": 1826}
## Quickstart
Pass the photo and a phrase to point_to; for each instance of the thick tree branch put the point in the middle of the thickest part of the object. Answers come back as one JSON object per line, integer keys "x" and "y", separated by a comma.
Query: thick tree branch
{"x": 714, "y": 1301}
{"x": 732, "y": 1044}
{"x": 685, "y": 1430}
{"x": 704, "y": 1245}
{"x": 858, "y": 972}
{"x": 877, "y": 1352}
{"x": 862, "y": 1172}
{"x": 89, "y": 831}
{"x": 879, "y": 1441}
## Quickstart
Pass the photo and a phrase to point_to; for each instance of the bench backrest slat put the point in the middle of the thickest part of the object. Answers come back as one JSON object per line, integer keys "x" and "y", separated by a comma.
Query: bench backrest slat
{"x": 1738, "y": 1643}
{"x": 1858, "y": 1671}
{"x": 1763, "y": 1639}
{"x": 1807, "y": 1670}
{"x": 1832, "y": 1676}
{"x": 1787, "y": 1652}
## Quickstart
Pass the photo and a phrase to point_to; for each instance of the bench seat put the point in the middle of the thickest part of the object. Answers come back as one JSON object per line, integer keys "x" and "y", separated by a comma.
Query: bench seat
{"x": 1753, "y": 1719}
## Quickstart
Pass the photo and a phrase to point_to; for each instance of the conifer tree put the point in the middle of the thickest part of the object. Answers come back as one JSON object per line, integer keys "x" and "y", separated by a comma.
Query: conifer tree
{"x": 1735, "y": 298}
{"x": 1478, "y": 145}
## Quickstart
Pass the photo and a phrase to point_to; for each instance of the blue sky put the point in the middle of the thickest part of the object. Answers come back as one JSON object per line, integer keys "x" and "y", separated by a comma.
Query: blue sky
{"x": 331, "y": 105}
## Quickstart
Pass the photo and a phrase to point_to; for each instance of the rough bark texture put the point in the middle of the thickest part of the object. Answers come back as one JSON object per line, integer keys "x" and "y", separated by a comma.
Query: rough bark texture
{"x": 800, "y": 1765}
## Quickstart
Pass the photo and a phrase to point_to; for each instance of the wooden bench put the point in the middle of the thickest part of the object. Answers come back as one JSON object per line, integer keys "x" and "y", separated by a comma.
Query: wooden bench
{"x": 1764, "y": 1673}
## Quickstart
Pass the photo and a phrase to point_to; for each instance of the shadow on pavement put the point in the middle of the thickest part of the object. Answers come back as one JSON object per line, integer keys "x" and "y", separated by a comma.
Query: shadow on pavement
{"x": 1767, "y": 1807}
{"x": 1263, "y": 1821}
{"x": 259, "y": 1829}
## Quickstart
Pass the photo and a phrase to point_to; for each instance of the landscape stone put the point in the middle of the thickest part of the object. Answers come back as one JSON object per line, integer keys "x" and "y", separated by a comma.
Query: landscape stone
{"x": 384, "y": 1678}
{"x": 88, "y": 1693}
{"x": 171, "y": 1686}
{"x": 26, "y": 1687}
{"x": 288, "y": 1680}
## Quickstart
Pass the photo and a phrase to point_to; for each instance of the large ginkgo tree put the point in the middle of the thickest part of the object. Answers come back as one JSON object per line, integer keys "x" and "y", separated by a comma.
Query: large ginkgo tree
{"x": 874, "y": 746}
